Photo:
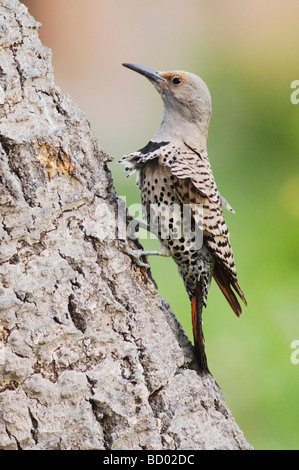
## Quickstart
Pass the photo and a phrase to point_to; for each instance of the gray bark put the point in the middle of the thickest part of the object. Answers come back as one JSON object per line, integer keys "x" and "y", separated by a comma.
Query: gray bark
{"x": 91, "y": 357}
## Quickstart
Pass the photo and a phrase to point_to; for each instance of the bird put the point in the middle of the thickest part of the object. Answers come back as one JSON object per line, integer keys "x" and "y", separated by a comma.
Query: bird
{"x": 180, "y": 199}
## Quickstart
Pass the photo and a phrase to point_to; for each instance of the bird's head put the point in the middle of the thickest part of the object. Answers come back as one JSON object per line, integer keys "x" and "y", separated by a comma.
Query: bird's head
{"x": 187, "y": 100}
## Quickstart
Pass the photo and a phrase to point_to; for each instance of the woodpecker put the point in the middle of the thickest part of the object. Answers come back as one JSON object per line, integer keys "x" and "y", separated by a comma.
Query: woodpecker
{"x": 182, "y": 204}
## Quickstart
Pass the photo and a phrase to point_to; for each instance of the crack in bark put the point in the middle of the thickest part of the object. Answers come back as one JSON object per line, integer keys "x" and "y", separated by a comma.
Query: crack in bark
{"x": 34, "y": 429}
{"x": 76, "y": 316}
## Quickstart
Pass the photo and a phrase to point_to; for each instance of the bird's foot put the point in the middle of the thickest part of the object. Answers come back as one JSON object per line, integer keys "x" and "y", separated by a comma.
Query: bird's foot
{"x": 136, "y": 255}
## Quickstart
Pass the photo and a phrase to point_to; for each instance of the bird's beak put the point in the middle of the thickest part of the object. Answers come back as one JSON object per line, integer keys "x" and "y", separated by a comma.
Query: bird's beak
{"x": 149, "y": 73}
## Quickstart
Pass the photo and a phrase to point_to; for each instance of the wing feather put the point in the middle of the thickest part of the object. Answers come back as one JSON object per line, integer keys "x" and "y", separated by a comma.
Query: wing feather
{"x": 196, "y": 186}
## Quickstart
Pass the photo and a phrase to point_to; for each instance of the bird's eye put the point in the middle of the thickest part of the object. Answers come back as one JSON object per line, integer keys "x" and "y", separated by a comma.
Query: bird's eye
{"x": 176, "y": 80}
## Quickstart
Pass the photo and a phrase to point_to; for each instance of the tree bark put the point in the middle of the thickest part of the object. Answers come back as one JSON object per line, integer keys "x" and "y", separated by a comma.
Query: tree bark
{"x": 91, "y": 357}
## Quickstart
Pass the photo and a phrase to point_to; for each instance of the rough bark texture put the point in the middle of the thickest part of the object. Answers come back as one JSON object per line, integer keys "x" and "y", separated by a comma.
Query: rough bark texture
{"x": 91, "y": 357}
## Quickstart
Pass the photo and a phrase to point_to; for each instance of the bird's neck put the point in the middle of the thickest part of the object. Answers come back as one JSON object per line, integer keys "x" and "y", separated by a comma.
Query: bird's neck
{"x": 174, "y": 128}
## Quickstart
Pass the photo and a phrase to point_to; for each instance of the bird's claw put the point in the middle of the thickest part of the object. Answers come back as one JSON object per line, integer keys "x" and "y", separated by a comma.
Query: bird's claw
{"x": 136, "y": 255}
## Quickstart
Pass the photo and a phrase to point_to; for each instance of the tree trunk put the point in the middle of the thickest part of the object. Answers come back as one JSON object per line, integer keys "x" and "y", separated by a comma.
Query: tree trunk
{"x": 91, "y": 357}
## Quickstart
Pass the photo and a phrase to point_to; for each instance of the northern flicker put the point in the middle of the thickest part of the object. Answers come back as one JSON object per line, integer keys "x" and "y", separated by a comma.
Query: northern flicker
{"x": 174, "y": 173}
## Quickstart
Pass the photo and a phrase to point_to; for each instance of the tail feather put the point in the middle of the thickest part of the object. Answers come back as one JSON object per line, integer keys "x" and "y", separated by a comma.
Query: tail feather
{"x": 199, "y": 341}
{"x": 225, "y": 286}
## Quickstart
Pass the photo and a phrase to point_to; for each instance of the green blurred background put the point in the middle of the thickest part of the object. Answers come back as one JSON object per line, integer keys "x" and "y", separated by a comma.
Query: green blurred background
{"x": 247, "y": 52}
